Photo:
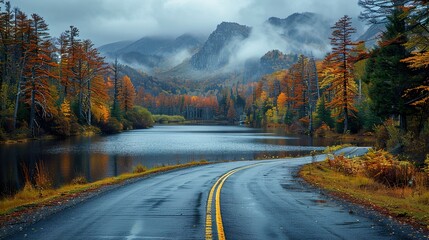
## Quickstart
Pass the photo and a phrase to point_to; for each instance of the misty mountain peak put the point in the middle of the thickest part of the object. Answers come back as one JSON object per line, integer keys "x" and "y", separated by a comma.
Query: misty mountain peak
{"x": 304, "y": 29}
{"x": 295, "y": 18}
{"x": 221, "y": 43}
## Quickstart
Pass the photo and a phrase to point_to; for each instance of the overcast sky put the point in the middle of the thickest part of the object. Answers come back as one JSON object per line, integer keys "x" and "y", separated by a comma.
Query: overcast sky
{"x": 107, "y": 21}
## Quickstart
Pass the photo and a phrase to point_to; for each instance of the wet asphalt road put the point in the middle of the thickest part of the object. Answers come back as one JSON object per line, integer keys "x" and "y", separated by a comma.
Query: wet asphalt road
{"x": 266, "y": 201}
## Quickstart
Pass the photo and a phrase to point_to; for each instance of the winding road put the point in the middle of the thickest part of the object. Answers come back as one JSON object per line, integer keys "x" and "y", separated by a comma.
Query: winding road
{"x": 232, "y": 200}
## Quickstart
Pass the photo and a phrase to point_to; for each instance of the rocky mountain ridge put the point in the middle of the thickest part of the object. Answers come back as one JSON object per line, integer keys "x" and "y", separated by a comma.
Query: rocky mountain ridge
{"x": 231, "y": 49}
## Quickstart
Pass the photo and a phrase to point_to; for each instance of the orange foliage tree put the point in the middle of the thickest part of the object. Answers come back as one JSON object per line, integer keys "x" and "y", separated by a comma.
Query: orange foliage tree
{"x": 128, "y": 94}
{"x": 38, "y": 72}
{"x": 340, "y": 77}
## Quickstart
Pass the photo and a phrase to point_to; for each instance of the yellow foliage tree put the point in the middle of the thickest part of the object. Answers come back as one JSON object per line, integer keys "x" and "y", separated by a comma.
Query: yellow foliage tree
{"x": 281, "y": 103}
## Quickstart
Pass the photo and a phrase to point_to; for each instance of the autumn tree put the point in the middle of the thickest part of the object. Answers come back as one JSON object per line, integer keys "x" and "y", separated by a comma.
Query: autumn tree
{"x": 341, "y": 79}
{"x": 93, "y": 70}
{"x": 418, "y": 43}
{"x": 6, "y": 43}
{"x": 281, "y": 104}
{"x": 38, "y": 71}
{"x": 22, "y": 31}
{"x": 65, "y": 62}
{"x": 128, "y": 94}
{"x": 232, "y": 114}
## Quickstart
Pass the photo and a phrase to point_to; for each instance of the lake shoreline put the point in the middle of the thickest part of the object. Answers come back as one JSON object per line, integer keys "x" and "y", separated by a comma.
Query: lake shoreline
{"x": 104, "y": 155}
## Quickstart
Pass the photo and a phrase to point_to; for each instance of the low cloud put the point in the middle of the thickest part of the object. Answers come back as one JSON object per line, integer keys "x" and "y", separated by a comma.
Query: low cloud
{"x": 106, "y": 21}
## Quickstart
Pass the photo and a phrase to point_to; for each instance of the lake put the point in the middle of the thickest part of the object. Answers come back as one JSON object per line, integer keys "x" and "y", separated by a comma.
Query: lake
{"x": 103, "y": 156}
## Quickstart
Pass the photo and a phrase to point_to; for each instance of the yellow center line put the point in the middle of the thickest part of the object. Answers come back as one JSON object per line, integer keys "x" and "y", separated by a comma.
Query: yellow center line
{"x": 219, "y": 224}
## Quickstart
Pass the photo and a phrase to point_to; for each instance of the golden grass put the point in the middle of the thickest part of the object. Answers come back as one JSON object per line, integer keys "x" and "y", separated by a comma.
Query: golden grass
{"x": 31, "y": 196}
{"x": 412, "y": 204}
{"x": 331, "y": 149}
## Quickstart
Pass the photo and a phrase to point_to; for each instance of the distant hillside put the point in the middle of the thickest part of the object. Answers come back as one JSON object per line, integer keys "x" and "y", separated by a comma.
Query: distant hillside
{"x": 153, "y": 52}
{"x": 151, "y": 84}
{"x": 114, "y": 47}
{"x": 275, "y": 60}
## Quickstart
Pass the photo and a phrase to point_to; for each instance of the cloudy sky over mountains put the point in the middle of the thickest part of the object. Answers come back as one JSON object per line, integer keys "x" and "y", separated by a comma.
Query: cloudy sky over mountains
{"x": 106, "y": 21}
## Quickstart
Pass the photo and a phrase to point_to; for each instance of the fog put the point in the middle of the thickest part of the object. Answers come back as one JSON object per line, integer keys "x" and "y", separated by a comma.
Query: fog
{"x": 106, "y": 21}
{"x": 265, "y": 37}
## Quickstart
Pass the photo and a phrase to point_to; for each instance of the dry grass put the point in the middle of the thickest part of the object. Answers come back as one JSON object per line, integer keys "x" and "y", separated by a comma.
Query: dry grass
{"x": 411, "y": 203}
{"x": 32, "y": 196}
{"x": 331, "y": 149}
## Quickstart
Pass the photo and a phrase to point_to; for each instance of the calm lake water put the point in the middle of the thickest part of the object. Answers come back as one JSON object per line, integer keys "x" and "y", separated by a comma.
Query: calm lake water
{"x": 98, "y": 157}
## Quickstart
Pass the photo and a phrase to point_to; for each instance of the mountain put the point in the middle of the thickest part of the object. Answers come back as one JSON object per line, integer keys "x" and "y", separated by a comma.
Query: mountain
{"x": 114, "y": 47}
{"x": 232, "y": 52}
{"x": 153, "y": 52}
{"x": 372, "y": 35}
{"x": 305, "y": 32}
{"x": 148, "y": 46}
{"x": 218, "y": 48}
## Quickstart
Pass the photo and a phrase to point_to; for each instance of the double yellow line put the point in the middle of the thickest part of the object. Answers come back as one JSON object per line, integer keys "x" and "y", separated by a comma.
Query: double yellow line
{"x": 217, "y": 187}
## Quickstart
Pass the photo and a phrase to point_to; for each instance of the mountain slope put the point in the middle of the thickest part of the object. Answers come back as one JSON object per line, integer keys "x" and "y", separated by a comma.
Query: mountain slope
{"x": 153, "y": 52}
{"x": 114, "y": 47}
{"x": 305, "y": 32}
{"x": 218, "y": 48}
{"x": 372, "y": 35}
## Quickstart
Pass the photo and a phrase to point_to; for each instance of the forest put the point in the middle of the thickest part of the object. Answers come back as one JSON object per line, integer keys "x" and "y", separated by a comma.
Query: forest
{"x": 63, "y": 86}
{"x": 382, "y": 90}
{"x": 59, "y": 85}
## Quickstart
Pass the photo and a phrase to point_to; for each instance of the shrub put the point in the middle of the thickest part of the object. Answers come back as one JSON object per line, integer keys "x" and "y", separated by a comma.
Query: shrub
{"x": 139, "y": 117}
{"x": 3, "y": 135}
{"x": 343, "y": 165}
{"x": 423, "y": 199}
{"x": 380, "y": 166}
{"x": 79, "y": 180}
{"x": 323, "y": 130}
{"x": 112, "y": 126}
{"x": 386, "y": 169}
{"x": 139, "y": 168}
{"x": 168, "y": 118}
{"x": 60, "y": 125}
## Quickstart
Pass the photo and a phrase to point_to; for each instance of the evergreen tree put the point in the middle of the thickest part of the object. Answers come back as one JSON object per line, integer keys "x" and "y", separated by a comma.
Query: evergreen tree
{"x": 387, "y": 76}
{"x": 323, "y": 114}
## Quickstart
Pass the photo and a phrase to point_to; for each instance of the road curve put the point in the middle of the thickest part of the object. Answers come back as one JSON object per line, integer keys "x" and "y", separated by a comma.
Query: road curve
{"x": 262, "y": 201}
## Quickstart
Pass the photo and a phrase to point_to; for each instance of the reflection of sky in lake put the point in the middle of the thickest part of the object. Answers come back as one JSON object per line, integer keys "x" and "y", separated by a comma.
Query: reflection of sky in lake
{"x": 109, "y": 155}
{"x": 188, "y": 139}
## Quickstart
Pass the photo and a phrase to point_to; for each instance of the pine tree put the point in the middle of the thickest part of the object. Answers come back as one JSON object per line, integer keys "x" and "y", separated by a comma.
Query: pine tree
{"x": 387, "y": 76}
{"x": 117, "y": 87}
{"x": 323, "y": 114}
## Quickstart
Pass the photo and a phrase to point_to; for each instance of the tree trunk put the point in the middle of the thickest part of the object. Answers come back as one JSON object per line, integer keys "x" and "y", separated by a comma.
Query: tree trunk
{"x": 15, "y": 112}
{"x": 89, "y": 103}
{"x": 33, "y": 103}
